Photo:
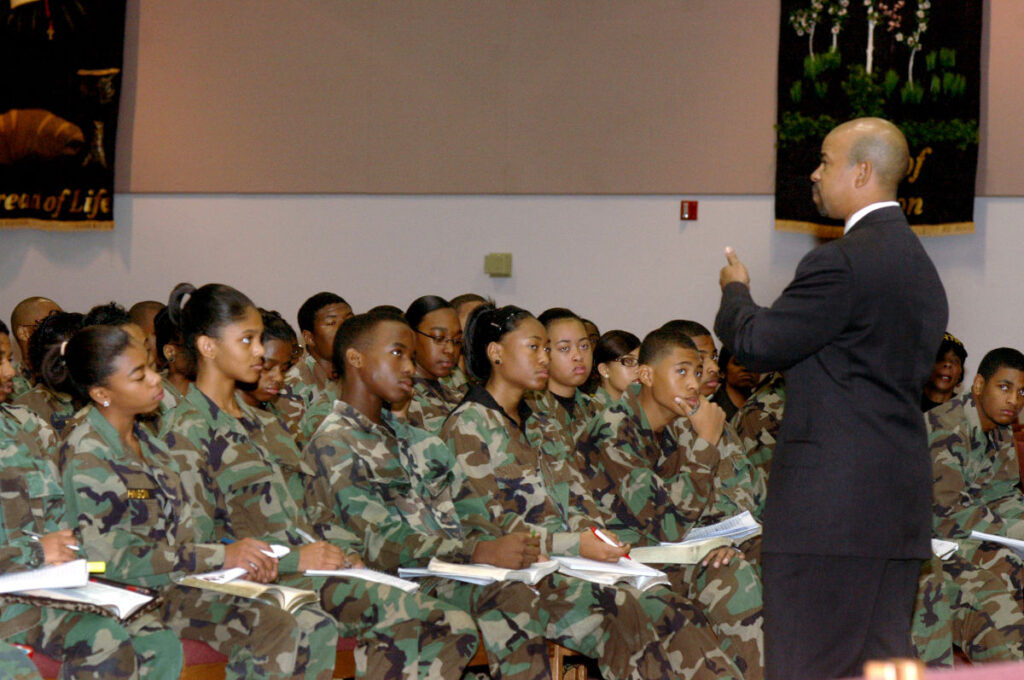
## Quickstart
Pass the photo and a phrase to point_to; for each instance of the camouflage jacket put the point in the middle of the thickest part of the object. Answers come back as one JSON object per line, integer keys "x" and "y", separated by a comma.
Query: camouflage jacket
{"x": 22, "y": 381}
{"x": 432, "y": 401}
{"x": 602, "y": 400}
{"x": 31, "y": 500}
{"x": 758, "y": 421}
{"x": 457, "y": 380}
{"x": 527, "y": 477}
{"x": 392, "y": 485}
{"x": 132, "y": 512}
{"x": 249, "y": 478}
{"x": 653, "y": 491}
{"x": 56, "y": 408}
{"x": 738, "y": 484}
{"x": 573, "y": 421}
{"x": 313, "y": 416}
{"x": 307, "y": 380}
{"x": 975, "y": 475}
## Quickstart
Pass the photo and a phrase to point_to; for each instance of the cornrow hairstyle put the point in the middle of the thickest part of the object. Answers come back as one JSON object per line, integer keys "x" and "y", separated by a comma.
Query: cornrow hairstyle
{"x": 275, "y": 327}
{"x": 484, "y": 326}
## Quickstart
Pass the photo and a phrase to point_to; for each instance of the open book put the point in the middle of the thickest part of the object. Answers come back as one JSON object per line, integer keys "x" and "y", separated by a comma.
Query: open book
{"x": 367, "y": 575}
{"x": 480, "y": 574}
{"x": 687, "y": 552}
{"x": 227, "y": 581}
{"x": 627, "y": 571}
{"x": 738, "y": 528}
{"x": 99, "y": 598}
{"x": 68, "y": 575}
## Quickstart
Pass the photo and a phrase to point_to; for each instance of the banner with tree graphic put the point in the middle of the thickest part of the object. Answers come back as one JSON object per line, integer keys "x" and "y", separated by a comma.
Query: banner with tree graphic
{"x": 60, "y": 65}
{"x": 914, "y": 62}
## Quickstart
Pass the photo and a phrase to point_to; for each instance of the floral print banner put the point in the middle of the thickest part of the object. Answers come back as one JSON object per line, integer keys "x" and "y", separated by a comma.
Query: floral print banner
{"x": 914, "y": 62}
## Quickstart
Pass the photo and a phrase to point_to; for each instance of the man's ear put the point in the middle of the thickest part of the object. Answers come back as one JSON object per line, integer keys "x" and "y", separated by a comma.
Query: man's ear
{"x": 864, "y": 172}
{"x": 23, "y": 333}
{"x": 354, "y": 357}
{"x": 977, "y": 386}
{"x": 169, "y": 353}
{"x": 307, "y": 339}
{"x": 646, "y": 375}
{"x": 207, "y": 346}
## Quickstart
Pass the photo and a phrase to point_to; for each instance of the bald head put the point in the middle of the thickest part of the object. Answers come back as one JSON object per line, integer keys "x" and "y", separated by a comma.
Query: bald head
{"x": 26, "y": 316}
{"x": 880, "y": 143}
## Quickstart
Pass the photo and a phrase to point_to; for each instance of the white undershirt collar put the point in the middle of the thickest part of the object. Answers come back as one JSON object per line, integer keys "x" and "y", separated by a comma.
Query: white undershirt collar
{"x": 855, "y": 217}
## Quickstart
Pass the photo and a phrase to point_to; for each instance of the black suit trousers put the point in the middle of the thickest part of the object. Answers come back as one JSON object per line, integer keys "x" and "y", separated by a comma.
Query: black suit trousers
{"x": 825, "y": 615}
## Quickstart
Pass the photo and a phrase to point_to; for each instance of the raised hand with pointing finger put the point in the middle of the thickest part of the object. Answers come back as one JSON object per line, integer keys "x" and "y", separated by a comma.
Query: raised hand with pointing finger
{"x": 735, "y": 271}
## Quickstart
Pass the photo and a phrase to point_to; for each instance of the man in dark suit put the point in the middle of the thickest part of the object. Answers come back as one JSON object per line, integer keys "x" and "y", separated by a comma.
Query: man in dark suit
{"x": 847, "y": 521}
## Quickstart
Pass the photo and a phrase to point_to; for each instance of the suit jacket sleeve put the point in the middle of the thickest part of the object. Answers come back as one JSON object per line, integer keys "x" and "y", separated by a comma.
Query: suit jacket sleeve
{"x": 810, "y": 313}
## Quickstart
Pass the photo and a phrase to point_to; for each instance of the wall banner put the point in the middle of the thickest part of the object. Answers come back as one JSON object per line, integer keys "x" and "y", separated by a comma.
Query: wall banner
{"x": 60, "y": 65}
{"x": 914, "y": 62}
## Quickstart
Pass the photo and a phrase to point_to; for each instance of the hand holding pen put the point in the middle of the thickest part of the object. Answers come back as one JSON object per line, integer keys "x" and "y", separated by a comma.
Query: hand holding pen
{"x": 602, "y": 545}
{"x": 58, "y": 546}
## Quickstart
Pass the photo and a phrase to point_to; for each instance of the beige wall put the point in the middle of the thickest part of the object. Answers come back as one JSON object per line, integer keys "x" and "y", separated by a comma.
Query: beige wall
{"x": 480, "y": 96}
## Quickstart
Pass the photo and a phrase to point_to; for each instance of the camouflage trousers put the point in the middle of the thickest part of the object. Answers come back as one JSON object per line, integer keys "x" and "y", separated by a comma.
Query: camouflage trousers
{"x": 971, "y": 608}
{"x": 15, "y": 664}
{"x": 730, "y": 597}
{"x": 604, "y": 623}
{"x": 401, "y": 635}
{"x": 1001, "y": 561}
{"x": 687, "y": 638}
{"x": 94, "y": 646}
{"x": 510, "y": 621}
{"x": 259, "y": 639}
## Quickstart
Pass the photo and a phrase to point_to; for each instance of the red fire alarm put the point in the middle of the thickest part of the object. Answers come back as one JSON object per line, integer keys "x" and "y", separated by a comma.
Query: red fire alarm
{"x": 688, "y": 210}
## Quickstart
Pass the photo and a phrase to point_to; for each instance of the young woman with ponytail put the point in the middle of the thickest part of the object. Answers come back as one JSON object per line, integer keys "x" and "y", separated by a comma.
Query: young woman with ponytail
{"x": 263, "y": 489}
{"x": 519, "y": 469}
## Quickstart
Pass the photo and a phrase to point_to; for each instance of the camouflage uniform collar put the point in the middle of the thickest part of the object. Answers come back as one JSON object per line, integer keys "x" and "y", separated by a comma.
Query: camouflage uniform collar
{"x": 357, "y": 420}
{"x": 479, "y": 395}
{"x": 216, "y": 415}
{"x": 112, "y": 438}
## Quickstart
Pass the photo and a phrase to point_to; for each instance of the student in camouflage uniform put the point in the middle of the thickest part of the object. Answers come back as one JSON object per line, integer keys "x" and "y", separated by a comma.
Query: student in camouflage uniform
{"x": 521, "y": 465}
{"x": 280, "y": 347}
{"x": 758, "y": 420}
{"x": 181, "y": 365}
{"x": 572, "y": 359}
{"x": 25, "y": 319}
{"x": 31, "y": 502}
{"x": 8, "y": 372}
{"x": 312, "y": 375}
{"x": 253, "y": 482}
{"x": 124, "y": 490}
{"x": 15, "y": 663}
{"x": 390, "y": 484}
{"x": 52, "y": 405}
{"x": 974, "y": 464}
{"x": 655, "y": 462}
{"x": 438, "y": 345}
{"x": 616, "y": 358}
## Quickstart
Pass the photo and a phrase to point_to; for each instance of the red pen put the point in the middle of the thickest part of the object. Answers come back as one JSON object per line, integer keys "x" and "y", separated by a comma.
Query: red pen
{"x": 605, "y": 538}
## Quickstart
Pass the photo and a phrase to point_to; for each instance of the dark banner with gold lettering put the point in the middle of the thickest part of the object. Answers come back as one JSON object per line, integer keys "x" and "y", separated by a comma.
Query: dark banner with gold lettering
{"x": 914, "y": 62}
{"x": 60, "y": 69}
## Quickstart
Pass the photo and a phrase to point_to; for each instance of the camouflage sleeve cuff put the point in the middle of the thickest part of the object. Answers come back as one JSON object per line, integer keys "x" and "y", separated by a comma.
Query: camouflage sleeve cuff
{"x": 20, "y": 553}
{"x": 208, "y": 557}
{"x": 563, "y": 543}
{"x": 289, "y": 564}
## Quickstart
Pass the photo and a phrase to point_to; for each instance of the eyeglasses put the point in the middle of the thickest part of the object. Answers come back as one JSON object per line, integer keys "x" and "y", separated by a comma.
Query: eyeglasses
{"x": 441, "y": 341}
{"x": 628, "y": 361}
